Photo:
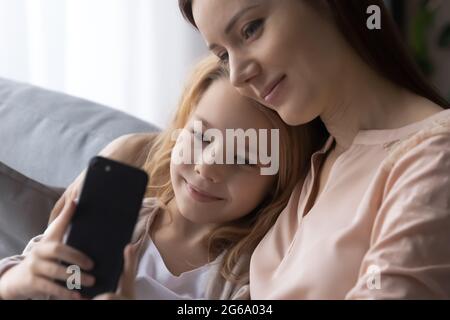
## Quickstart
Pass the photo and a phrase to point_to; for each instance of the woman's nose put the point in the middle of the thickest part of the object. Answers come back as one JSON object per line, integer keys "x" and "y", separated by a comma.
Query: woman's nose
{"x": 242, "y": 71}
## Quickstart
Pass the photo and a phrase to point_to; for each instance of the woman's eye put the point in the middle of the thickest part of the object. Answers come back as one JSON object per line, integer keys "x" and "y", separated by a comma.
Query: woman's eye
{"x": 251, "y": 28}
{"x": 223, "y": 57}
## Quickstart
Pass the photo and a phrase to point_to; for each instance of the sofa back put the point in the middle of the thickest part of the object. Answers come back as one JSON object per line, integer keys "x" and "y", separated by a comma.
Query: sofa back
{"x": 50, "y": 137}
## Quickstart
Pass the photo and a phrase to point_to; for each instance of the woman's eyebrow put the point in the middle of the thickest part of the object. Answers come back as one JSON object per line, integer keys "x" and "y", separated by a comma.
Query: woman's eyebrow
{"x": 237, "y": 16}
{"x": 233, "y": 21}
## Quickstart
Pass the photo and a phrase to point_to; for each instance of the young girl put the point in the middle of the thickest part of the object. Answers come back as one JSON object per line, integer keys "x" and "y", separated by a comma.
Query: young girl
{"x": 199, "y": 222}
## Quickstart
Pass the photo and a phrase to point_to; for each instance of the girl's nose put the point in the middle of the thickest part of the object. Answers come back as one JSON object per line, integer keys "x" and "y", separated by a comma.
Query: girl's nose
{"x": 209, "y": 165}
{"x": 209, "y": 172}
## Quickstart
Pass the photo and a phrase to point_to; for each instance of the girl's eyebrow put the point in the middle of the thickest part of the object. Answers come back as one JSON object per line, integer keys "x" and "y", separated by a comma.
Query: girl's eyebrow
{"x": 233, "y": 21}
{"x": 203, "y": 121}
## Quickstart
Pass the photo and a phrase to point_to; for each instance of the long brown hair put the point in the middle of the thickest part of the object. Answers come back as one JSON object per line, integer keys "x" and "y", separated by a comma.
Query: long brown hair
{"x": 241, "y": 236}
{"x": 382, "y": 49}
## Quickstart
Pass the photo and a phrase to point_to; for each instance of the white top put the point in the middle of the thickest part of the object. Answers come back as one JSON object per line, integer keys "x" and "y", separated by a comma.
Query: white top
{"x": 155, "y": 282}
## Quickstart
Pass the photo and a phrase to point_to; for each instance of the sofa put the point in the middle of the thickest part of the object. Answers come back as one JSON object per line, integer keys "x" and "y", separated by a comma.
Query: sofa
{"x": 46, "y": 139}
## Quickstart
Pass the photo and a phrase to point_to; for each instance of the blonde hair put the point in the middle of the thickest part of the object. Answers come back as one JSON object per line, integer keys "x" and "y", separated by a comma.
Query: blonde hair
{"x": 240, "y": 236}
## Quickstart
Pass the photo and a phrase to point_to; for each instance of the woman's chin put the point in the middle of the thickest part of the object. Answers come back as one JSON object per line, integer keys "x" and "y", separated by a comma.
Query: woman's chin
{"x": 289, "y": 116}
{"x": 294, "y": 115}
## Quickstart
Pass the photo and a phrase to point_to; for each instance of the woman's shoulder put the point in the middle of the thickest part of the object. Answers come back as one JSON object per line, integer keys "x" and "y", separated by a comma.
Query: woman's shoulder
{"x": 418, "y": 169}
{"x": 430, "y": 142}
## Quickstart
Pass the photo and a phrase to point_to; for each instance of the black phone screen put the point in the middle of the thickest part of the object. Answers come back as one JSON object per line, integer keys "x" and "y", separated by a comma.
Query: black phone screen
{"x": 105, "y": 218}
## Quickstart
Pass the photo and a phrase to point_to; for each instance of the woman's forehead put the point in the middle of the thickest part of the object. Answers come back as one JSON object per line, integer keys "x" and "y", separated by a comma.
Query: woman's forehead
{"x": 229, "y": 6}
{"x": 217, "y": 14}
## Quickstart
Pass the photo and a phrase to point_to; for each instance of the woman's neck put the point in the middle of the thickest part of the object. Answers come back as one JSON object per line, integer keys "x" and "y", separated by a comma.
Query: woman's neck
{"x": 364, "y": 100}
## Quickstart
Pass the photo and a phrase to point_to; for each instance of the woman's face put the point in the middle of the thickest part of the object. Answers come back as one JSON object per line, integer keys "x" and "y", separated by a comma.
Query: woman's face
{"x": 278, "y": 52}
{"x": 217, "y": 193}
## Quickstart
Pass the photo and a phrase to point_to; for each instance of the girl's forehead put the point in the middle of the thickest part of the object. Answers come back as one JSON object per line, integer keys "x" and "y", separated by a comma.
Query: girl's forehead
{"x": 222, "y": 107}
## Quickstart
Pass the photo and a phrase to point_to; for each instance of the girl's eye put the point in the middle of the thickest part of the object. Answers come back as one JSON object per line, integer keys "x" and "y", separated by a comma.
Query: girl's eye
{"x": 251, "y": 28}
{"x": 243, "y": 161}
{"x": 198, "y": 136}
{"x": 201, "y": 137}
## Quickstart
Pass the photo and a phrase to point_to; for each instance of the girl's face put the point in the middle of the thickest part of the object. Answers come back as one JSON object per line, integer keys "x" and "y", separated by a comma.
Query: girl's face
{"x": 278, "y": 52}
{"x": 218, "y": 193}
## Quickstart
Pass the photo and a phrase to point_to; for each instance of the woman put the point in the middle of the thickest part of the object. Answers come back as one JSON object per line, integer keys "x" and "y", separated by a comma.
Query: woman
{"x": 372, "y": 218}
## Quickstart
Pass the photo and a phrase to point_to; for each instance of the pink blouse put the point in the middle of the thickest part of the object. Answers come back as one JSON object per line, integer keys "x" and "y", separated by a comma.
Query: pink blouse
{"x": 379, "y": 230}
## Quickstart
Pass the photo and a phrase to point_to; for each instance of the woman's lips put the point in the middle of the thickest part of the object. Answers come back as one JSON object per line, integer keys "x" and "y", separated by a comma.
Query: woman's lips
{"x": 273, "y": 95}
{"x": 200, "y": 195}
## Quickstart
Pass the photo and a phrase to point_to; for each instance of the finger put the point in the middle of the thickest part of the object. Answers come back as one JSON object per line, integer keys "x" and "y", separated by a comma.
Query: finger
{"x": 62, "y": 252}
{"x": 47, "y": 287}
{"x": 56, "y": 230}
{"x": 57, "y": 208}
{"x": 108, "y": 296}
{"x": 54, "y": 271}
{"x": 126, "y": 286}
{"x": 75, "y": 188}
{"x": 72, "y": 192}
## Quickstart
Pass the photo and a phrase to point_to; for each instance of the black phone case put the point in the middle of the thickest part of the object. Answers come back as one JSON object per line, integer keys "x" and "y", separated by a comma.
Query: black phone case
{"x": 105, "y": 217}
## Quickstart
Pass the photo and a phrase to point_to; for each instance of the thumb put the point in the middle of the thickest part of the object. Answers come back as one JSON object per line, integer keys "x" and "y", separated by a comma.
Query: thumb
{"x": 57, "y": 229}
{"x": 126, "y": 285}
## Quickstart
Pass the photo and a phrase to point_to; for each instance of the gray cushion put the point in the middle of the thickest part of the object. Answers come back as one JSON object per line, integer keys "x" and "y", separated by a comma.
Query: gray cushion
{"x": 24, "y": 210}
{"x": 50, "y": 137}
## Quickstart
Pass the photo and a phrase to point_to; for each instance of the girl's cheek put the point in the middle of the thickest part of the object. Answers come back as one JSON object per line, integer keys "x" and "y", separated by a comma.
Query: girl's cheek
{"x": 182, "y": 153}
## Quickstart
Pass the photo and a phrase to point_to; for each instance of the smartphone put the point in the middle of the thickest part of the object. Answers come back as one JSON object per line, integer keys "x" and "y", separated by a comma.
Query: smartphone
{"x": 105, "y": 218}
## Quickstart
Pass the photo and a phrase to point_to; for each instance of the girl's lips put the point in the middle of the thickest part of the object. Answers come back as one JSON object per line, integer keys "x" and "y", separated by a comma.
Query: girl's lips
{"x": 200, "y": 195}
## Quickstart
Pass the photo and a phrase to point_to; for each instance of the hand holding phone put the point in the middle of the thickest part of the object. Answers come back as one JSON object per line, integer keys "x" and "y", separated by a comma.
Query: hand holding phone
{"x": 105, "y": 218}
{"x": 34, "y": 277}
